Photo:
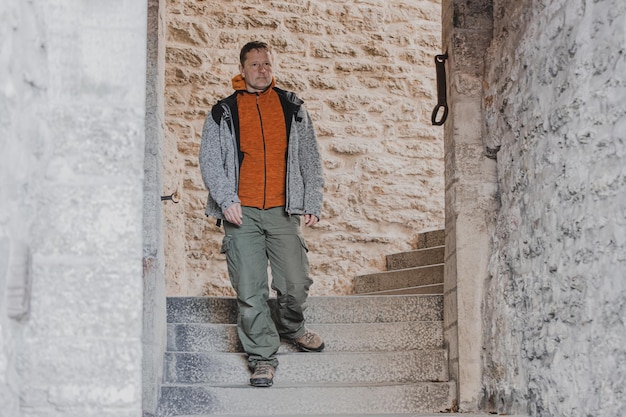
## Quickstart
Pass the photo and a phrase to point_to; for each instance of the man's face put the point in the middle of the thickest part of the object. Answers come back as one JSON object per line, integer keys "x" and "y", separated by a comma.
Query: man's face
{"x": 257, "y": 70}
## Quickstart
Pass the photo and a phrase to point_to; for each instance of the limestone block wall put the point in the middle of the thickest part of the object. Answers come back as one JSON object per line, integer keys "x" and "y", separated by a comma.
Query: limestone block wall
{"x": 365, "y": 70}
{"x": 72, "y": 106}
{"x": 555, "y": 302}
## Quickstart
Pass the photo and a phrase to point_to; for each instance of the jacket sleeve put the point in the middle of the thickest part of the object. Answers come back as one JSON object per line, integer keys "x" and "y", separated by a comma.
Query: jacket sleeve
{"x": 310, "y": 164}
{"x": 217, "y": 164}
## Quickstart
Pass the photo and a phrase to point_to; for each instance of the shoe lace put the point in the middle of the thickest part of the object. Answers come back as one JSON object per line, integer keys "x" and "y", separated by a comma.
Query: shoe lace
{"x": 308, "y": 336}
{"x": 262, "y": 368}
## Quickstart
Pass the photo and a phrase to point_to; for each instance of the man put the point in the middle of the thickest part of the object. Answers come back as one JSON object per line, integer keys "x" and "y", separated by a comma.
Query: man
{"x": 260, "y": 162}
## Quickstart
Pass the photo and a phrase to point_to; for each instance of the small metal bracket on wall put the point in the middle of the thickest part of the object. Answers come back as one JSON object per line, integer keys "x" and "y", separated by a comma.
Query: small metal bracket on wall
{"x": 442, "y": 101}
{"x": 170, "y": 197}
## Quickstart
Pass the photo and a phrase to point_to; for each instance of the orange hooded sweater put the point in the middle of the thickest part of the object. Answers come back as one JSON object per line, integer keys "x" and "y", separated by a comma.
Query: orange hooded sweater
{"x": 263, "y": 142}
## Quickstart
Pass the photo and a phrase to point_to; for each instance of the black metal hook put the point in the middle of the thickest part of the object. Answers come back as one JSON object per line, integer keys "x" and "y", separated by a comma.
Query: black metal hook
{"x": 442, "y": 101}
{"x": 169, "y": 197}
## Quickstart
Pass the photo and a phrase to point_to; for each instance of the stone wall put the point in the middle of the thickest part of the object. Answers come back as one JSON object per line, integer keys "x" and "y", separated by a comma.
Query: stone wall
{"x": 555, "y": 302}
{"x": 154, "y": 300}
{"x": 365, "y": 70}
{"x": 72, "y": 105}
{"x": 14, "y": 170}
{"x": 471, "y": 191}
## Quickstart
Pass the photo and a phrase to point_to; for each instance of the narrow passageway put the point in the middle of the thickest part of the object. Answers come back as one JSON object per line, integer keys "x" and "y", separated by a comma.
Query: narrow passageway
{"x": 365, "y": 72}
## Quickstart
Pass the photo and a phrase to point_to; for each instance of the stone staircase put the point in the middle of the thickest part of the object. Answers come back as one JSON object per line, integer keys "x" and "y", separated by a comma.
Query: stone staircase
{"x": 384, "y": 355}
{"x": 416, "y": 272}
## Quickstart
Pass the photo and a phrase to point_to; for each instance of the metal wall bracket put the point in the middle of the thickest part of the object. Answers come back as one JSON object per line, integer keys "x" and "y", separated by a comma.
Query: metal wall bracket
{"x": 442, "y": 101}
{"x": 170, "y": 197}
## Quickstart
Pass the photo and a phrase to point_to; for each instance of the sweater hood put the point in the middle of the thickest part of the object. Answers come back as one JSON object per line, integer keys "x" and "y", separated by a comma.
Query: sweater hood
{"x": 239, "y": 84}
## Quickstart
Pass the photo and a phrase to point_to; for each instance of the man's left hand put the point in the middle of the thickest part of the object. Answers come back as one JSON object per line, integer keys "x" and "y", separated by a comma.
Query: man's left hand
{"x": 310, "y": 219}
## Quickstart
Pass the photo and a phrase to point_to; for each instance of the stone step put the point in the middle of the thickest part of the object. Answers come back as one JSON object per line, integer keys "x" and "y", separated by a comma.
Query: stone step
{"x": 415, "y": 258}
{"x": 438, "y": 414}
{"x": 319, "y": 400}
{"x": 399, "y": 279}
{"x": 350, "y": 337}
{"x": 431, "y": 239}
{"x": 384, "y": 355}
{"x": 226, "y": 369}
{"x": 338, "y": 309}
{"x": 423, "y": 289}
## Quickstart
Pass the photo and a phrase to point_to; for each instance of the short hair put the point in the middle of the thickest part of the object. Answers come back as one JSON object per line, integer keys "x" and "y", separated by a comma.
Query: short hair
{"x": 249, "y": 47}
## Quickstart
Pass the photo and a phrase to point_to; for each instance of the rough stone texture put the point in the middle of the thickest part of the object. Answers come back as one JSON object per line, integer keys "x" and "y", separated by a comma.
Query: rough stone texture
{"x": 345, "y": 368}
{"x": 431, "y": 239}
{"x": 366, "y": 400}
{"x": 398, "y": 279}
{"x": 419, "y": 257}
{"x": 72, "y": 104}
{"x": 355, "y": 337}
{"x": 22, "y": 77}
{"x": 357, "y": 309}
{"x": 365, "y": 70}
{"x": 555, "y": 338}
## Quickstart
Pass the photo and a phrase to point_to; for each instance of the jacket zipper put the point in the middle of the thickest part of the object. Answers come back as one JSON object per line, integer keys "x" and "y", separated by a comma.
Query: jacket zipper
{"x": 258, "y": 108}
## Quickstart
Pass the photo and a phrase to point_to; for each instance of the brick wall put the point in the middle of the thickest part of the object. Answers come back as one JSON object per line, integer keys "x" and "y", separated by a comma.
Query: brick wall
{"x": 365, "y": 70}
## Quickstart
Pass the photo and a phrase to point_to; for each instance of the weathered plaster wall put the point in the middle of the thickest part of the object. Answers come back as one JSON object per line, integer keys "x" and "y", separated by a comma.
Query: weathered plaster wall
{"x": 365, "y": 70}
{"x": 555, "y": 304}
{"x": 16, "y": 167}
{"x": 154, "y": 309}
{"x": 72, "y": 105}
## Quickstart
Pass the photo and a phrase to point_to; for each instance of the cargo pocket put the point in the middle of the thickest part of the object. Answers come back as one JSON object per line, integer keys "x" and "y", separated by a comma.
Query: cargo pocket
{"x": 226, "y": 244}
{"x": 303, "y": 243}
{"x": 227, "y": 249}
{"x": 296, "y": 219}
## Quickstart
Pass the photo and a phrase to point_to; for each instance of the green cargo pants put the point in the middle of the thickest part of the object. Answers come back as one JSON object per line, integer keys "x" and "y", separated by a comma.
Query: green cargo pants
{"x": 267, "y": 236}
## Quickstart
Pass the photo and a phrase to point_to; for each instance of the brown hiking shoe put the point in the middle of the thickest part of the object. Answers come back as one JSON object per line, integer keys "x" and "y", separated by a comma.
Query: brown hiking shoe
{"x": 263, "y": 375}
{"x": 309, "y": 342}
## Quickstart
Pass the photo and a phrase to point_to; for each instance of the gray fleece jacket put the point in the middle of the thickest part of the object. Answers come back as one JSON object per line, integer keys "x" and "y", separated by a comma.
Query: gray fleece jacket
{"x": 220, "y": 157}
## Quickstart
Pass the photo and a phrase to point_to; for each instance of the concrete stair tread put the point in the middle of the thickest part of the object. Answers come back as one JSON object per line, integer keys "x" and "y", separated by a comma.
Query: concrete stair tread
{"x": 431, "y": 238}
{"x": 419, "y": 250}
{"x": 385, "y": 355}
{"x": 400, "y": 270}
{"x": 415, "y": 258}
{"x": 433, "y": 289}
{"x": 299, "y": 385}
{"x": 307, "y": 400}
{"x": 398, "y": 279}
{"x": 336, "y": 309}
{"x": 341, "y": 337}
{"x": 310, "y": 354}
{"x": 349, "y": 367}
{"x": 447, "y": 414}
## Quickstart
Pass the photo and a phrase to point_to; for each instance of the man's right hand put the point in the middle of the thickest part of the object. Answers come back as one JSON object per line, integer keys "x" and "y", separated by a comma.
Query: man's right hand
{"x": 233, "y": 214}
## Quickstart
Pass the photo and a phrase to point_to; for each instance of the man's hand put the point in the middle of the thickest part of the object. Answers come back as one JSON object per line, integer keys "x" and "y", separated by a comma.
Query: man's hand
{"x": 310, "y": 219}
{"x": 233, "y": 214}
